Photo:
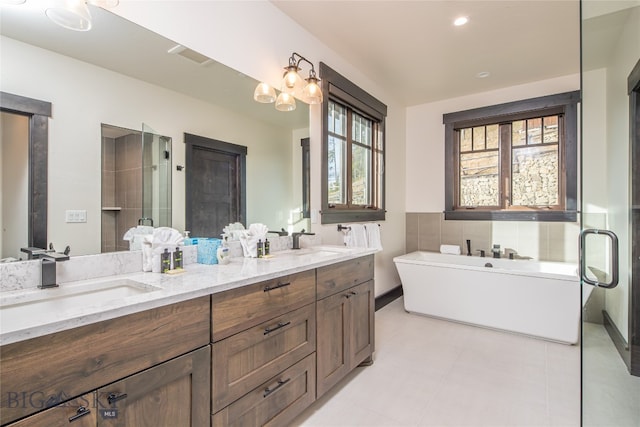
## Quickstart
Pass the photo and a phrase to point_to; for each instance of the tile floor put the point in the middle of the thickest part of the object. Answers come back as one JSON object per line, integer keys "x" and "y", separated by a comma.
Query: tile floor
{"x": 429, "y": 372}
{"x": 611, "y": 396}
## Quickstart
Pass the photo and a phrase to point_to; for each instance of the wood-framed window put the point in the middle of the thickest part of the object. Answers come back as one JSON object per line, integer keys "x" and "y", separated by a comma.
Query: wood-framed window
{"x": 514, "y": 161}
{"x": 353, "y": 152}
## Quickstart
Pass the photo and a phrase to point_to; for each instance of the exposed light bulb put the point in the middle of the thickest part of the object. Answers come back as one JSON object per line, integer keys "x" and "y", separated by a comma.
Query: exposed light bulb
{"x": 460, "y": 21}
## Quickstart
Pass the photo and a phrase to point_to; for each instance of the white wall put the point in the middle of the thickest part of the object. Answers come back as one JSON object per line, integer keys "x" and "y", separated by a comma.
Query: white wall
{"x": 84, "y": 96}
{"x": 14, "y": 182}
{"x": 425, "y": 167}
{"x": 623, "y": 59}
{"x": 263, "y": 38}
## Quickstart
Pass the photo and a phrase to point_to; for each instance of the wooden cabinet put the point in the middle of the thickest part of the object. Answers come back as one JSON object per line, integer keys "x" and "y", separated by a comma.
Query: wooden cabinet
{"x": 345, "y": 324}
{"x": 79, "y": 412}
{"x": 171, "y": 394}
{"x": 238, "y": 309}
{"x": 275, "y": 402}
{"x": 60, "y": 366}
{"x": 261, "y": 334}
{"x": 244, "y": 361}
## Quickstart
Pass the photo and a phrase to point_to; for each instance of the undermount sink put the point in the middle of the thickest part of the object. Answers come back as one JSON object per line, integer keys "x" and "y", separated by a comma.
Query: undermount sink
{"x": 21, "y": 309}
{"x": 320, "y": 251}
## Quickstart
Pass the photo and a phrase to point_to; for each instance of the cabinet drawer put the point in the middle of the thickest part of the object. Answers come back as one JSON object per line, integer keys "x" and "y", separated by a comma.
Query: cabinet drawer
{"x": 338, "y": 277}
{"x": 247, "y": 359}
{"x": 79, "y": 412}
{"x": 276, "y": 402}
{"x": 242, "y": 308}
{"x": 73, "y": 362}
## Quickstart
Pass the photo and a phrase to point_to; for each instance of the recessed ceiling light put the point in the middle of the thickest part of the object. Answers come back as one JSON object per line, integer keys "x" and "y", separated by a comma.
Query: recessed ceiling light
{"x": 460, "y": 21}
{"x": 483, "y": 74}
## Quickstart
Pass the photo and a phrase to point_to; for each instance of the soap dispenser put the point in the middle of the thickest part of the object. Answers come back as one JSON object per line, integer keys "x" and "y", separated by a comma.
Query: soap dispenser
{"x": 223, "y": 253}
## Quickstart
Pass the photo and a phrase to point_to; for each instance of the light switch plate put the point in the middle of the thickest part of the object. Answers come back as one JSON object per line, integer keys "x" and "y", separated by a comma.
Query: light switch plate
{"x": 75, "y": 216}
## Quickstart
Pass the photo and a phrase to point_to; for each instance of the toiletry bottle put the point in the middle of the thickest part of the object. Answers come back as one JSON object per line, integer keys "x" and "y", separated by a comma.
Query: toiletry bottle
{"x": 266, "y": 246}
{"x": 165, "y": 261}
{"x": 260, "y": 248}
{"x": 177, "y": 259}
{"x": 223, "y": 253}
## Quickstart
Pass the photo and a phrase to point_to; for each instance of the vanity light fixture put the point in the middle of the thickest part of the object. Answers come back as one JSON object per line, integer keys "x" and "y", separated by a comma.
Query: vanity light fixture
{"x": 264, "y": 93}
{"x": 293, "y": 86}
{"x": 74, "y": 14}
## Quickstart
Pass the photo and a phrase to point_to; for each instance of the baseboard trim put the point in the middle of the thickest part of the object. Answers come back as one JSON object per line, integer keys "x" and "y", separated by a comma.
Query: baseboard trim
{"x": 618, "y": 340}
{"x": 388, "y": 297}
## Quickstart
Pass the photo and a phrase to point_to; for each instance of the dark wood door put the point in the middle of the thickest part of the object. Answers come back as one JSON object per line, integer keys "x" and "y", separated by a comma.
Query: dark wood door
{"x": 172, "y": 394}
{"x": 215, "y": 185}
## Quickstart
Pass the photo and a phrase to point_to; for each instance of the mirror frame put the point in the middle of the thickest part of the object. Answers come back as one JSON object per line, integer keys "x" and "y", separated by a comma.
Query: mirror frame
{"x": 39, "y": 113}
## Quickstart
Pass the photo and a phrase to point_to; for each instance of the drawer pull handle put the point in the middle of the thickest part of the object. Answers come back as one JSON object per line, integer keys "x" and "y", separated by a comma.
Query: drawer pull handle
{"x": 278, "y": 286}
{"x": 81, "y": 412}
{"x": 113, "y": 397}
{"x": 350, "y": 294}
{"x": 275, "y": 328}
{"x": 268, "y": 391}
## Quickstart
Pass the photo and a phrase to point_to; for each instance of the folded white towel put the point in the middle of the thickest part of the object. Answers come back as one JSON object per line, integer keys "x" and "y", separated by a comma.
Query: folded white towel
{"x": 373, "y": 236}
{"x": 450, "y": 249}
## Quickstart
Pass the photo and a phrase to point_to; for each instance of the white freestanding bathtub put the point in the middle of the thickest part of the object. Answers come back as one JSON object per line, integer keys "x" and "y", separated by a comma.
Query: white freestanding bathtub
{"x": 541, "y": 299}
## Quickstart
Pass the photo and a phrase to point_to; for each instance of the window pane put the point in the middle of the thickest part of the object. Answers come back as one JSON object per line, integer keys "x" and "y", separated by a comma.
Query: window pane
{"x": 478, "y": 138}
{"x": 550, "y": 129}
{"x": 336, "y": 170}
{"x": 465, "y": 140}
{"x": 337, "y": 119}
{"x": 479, "y": 179}
{"x": 534, "y": 176}
{"x": 534, "y": 131}
{"x": 493, "y": 136}
{"x": 360, "y": 175}
{"x": 362, "y": 129}
{"x": 518, "y": 133}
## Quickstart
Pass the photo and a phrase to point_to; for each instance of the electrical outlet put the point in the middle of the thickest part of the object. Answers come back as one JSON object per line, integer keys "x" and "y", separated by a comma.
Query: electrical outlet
{"x": 75, "y": 216}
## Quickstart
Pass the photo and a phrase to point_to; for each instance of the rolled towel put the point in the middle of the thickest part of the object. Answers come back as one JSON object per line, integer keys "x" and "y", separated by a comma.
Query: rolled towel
{"x": 450, "y": 249}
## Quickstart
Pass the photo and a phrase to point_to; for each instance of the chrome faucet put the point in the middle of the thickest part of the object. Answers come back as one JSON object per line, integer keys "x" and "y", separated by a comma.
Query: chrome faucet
{"x": 296, "y": 238}
{"x": 49, "y": 258}
{"x": 280, "y": 233}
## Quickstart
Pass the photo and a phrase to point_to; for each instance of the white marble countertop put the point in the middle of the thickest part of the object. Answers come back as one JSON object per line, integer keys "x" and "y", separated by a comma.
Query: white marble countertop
{"x": 21, "y": 320}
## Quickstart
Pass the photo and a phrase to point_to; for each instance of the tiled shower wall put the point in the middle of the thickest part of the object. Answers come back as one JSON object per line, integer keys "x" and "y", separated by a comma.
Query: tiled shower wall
{"x": 121, "y": 188}
{"x": 544, "y": 241}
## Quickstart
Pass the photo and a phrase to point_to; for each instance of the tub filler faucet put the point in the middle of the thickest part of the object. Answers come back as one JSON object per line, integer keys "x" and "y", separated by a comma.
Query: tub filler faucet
{"x": 496, "y": 251}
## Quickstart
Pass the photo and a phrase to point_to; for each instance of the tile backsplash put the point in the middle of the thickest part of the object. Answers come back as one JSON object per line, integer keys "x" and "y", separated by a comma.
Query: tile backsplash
{"x": 544, "y": 241}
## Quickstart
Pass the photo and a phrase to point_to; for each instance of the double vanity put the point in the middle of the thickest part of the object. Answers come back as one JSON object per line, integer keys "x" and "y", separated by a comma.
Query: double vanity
{"x": 254, "y": 342}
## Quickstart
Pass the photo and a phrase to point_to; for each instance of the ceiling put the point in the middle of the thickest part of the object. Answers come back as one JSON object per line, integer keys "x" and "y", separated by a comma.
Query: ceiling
{"x": 124, "y": 47}
{"x": 413, "y": 49}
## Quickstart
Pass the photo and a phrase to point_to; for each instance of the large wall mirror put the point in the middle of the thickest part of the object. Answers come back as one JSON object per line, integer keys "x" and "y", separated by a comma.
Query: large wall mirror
{"x": 122, "y": 75}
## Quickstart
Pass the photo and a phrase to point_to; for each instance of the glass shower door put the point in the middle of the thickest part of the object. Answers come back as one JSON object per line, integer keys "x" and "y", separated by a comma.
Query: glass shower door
{"x": 610, "y": 44}
{"x": 156, "y": 178}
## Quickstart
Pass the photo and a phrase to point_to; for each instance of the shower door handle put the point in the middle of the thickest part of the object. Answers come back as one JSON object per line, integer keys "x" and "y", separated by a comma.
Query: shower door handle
{"x": 613, "y": 258}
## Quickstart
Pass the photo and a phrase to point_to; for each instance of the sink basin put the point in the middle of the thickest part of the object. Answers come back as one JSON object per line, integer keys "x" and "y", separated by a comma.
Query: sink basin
{"x": 21, "y": 309}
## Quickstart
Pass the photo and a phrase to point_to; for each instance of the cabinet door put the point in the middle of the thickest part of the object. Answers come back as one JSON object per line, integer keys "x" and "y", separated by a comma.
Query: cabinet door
{"x": 79, "y": 412}
{"x": 361, "y": 323}
{"x": 332, "y": 347}
{"x": 172, "y": 394}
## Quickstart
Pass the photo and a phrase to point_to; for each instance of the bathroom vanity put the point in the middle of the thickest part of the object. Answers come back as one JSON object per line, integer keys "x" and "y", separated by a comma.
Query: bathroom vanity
{"x": 254, "y": 342}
